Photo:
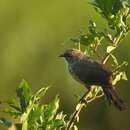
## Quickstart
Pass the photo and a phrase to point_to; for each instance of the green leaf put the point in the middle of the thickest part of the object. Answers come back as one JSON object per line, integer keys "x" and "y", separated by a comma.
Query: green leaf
{"x": 117, "y": 79}
{"x": 5, "y": 122}
{"x": 58, "y": 123}
{"x": 36, "y": 114}
{"x": 15, "y": 107}
{"x": 124, "y": 76}
{"x": 32, "y": 115}
{"x": 119, "y": 76}
{"x": 107, "y": 7}
{"x": 60, "y": 115}
{"x": 110, "y": 49}
{"x": 97, "y": 90}
{"x": 23, "y": 92}
{"x": 84, "y": 40}
{"x": 124, "y": 63}
{"x": 52, "y": 108}
{"x": 115, "y": 12}
{"x": 88, "y": 51}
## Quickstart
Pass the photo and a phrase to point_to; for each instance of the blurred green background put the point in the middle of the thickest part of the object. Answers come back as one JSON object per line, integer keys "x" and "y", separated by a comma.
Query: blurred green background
{"x": 32, "y": 35}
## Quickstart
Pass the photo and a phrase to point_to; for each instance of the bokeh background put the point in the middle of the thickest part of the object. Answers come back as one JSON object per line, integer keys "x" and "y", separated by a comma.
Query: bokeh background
{"x": 32, "y": 35}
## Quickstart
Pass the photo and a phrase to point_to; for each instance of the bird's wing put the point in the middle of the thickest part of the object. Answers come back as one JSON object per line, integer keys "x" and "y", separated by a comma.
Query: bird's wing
{"x": 91, "y": 72}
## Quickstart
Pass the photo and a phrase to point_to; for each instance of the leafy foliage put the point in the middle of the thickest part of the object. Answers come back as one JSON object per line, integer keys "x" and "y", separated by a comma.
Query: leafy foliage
{"x": 30, "y": 114}
{"x": 116, "y": 13}
{"x": 91, "y": 40}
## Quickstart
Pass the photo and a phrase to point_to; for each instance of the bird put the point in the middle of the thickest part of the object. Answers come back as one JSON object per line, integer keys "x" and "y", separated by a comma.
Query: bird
{"x": 89, "y": 72}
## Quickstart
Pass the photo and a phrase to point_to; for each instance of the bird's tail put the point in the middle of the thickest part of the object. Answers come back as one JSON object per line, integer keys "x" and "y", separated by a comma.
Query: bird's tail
{"x": 112, "y": 97}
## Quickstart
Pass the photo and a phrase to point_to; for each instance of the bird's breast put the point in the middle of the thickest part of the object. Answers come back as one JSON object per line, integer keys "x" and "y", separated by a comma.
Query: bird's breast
{"x": 76, "y": 77}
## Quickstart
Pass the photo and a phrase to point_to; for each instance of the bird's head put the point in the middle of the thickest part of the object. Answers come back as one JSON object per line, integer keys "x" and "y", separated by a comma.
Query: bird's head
{"x": 72, "y": 55}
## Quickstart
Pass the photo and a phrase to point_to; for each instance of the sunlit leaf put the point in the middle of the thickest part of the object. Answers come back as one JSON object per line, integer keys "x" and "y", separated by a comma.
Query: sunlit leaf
{"x": 40, "y": 93}
{"x": 58, "y": 123}
{"x": 75, "y": 127}
{"x": 124, "y": 76}
{"x": 109, "y": 37}
{"x": 124, "y": 63}
{"x": 60, "y": 115}
{"x": 52, "y": 108}
{"x": 118, "y": 77}
{"x": 35, "y": 114}
{"x": 78, "y": 106}
{"x": 110, "y": 49}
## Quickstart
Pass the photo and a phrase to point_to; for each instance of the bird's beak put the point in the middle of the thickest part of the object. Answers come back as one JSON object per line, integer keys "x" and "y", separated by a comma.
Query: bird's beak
{"x": 61, "y": 55}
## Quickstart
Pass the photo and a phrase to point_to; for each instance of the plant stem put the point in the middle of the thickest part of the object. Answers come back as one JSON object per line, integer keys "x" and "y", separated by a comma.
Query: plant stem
{"x": 85, "y": 99}
{"x": 115, "y": 43}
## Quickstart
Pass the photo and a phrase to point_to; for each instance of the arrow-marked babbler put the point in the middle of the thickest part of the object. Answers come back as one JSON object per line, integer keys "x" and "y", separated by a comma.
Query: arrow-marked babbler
{"x": 89, "y": 72}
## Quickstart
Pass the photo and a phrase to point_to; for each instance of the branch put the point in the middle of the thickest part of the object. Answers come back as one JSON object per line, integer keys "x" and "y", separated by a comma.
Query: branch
{"x": 85, "y": 99}
{"x": 115, "y": 43}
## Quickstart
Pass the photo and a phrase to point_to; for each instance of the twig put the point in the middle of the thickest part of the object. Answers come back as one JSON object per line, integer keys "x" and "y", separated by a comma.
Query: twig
{"x": 77, "y": 111}
{"x": 115, "y": 43}
{"x": 85, "y": 99}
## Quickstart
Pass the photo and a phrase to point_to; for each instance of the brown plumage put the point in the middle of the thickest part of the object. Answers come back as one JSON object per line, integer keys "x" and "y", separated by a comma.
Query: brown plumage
{"x": 89, "y": 72}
